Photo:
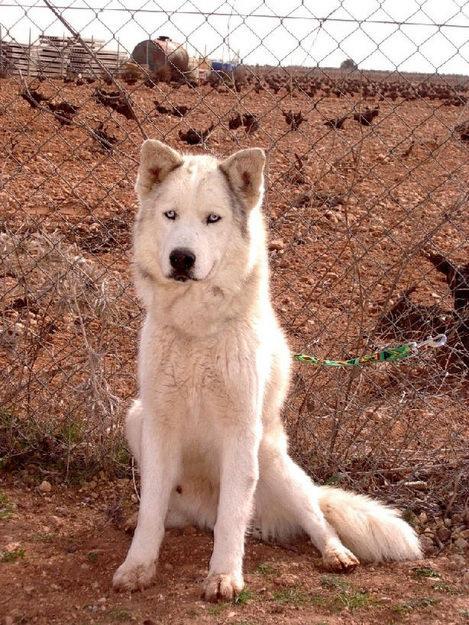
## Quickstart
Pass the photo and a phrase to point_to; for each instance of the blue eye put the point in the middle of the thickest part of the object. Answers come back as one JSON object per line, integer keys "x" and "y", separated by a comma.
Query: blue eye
{"x": 212, "y": 218}
{"x": 170, "y": 215}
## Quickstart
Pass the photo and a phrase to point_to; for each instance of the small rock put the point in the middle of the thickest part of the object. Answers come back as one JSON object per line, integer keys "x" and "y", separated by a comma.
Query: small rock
{"x": 427, "y": 544}
{"x": 331, "y": 216}
{"x": 62, "y": 510}
{"x": 28, "y": 590}
{"x": 287, "y": 580}
{"x": 45, "y": 486}
{"x": 457, "y": 562}
{"x": 443, "y": 534}
{"x": 464, "y": 534}
{"x": 276, "y": 244}
{"x": 460, "y": 544}
{"x": 71, "y": 548}
{"x": 131, "y": 523}
{"x": 417, "y": 485}
{"x": 168, "y": 566}
{"x": 101, "y": 600}
{"x": 423, "y": 518}
{"x": 57, "y": 521}
{"x": 12, "y": 546}
{"x": 9, "y": 620}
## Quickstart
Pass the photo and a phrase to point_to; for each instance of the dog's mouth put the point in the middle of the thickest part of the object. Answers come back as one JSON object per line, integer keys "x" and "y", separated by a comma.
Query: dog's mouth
{"x": 179, "y": 276}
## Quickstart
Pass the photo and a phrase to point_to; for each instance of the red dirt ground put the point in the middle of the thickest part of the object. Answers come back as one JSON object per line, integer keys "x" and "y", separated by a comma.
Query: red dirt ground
{"x": 73, "y": 540}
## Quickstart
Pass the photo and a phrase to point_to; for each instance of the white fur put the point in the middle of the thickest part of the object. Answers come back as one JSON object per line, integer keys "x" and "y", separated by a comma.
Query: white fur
{"x": 213, "y": 374}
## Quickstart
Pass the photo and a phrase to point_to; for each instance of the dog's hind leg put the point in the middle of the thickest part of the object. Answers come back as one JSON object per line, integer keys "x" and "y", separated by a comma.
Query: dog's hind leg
{"x": 287, "y": 504}
{"x": 133, "y": 428}
{"x": 177, "y": 515}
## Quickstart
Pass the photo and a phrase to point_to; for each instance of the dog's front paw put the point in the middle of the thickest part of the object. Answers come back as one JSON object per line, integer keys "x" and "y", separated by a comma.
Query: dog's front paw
{"x": 133, "y": 575}
{"x": 340, "y": 559}
{"x": 222, "y": 587}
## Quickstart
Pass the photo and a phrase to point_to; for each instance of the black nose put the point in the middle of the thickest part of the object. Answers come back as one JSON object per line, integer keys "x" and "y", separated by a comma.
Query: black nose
{"x": 182, "y": 259}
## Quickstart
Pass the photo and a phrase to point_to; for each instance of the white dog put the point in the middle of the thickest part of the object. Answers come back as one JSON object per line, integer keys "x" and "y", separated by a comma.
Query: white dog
{"x": 213, "y": 374}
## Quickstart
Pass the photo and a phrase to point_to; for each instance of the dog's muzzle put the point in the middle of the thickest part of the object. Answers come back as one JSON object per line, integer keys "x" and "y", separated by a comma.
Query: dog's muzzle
{"x": 182, "y": 260}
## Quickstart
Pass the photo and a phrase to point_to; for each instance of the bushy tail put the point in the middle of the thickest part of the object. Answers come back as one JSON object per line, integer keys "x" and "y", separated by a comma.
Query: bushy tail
{"x": 372, "y": 531}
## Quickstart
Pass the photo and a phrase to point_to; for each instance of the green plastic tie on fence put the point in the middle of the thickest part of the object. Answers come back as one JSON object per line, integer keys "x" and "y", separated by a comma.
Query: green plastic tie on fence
{"x": 387, "y": 354}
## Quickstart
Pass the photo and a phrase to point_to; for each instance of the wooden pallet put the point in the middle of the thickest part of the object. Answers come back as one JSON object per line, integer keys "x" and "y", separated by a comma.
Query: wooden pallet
{"x": 54, "y": 56}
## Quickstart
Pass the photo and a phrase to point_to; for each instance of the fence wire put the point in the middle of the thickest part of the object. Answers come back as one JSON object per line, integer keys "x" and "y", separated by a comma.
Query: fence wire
{"x": 366, "y": 204}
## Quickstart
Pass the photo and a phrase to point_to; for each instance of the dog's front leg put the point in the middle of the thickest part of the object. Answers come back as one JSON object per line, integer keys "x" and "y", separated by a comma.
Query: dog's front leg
{"x": 158, "y": 468}
{"x": 239, "y": 474}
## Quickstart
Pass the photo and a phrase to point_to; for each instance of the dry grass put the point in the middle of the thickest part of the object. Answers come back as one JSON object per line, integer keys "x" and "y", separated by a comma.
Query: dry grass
{"x": 62, "y": 319}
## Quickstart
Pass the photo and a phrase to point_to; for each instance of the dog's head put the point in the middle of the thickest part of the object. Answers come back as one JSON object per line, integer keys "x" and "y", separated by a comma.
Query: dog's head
{"x": 195, "y": 211}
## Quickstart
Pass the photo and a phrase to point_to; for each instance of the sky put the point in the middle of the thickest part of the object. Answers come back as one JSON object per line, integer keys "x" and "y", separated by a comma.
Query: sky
{"x": 430, "y": 36}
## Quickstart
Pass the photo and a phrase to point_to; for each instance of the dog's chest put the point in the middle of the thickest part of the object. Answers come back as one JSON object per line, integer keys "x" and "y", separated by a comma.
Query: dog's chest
{"x": 201, "y": 381}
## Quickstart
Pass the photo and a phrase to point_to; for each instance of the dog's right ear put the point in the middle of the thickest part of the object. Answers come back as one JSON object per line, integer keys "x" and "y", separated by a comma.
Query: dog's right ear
{"x": 157, "y": 160}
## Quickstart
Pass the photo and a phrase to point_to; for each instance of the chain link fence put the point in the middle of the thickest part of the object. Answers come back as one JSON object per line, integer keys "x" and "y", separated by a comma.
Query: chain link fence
{"x": 362, "y": 109}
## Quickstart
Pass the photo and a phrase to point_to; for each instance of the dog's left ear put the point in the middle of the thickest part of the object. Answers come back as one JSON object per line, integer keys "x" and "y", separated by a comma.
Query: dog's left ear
{"x": 157, "y": 160}
{"x": 244, "y": 171}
